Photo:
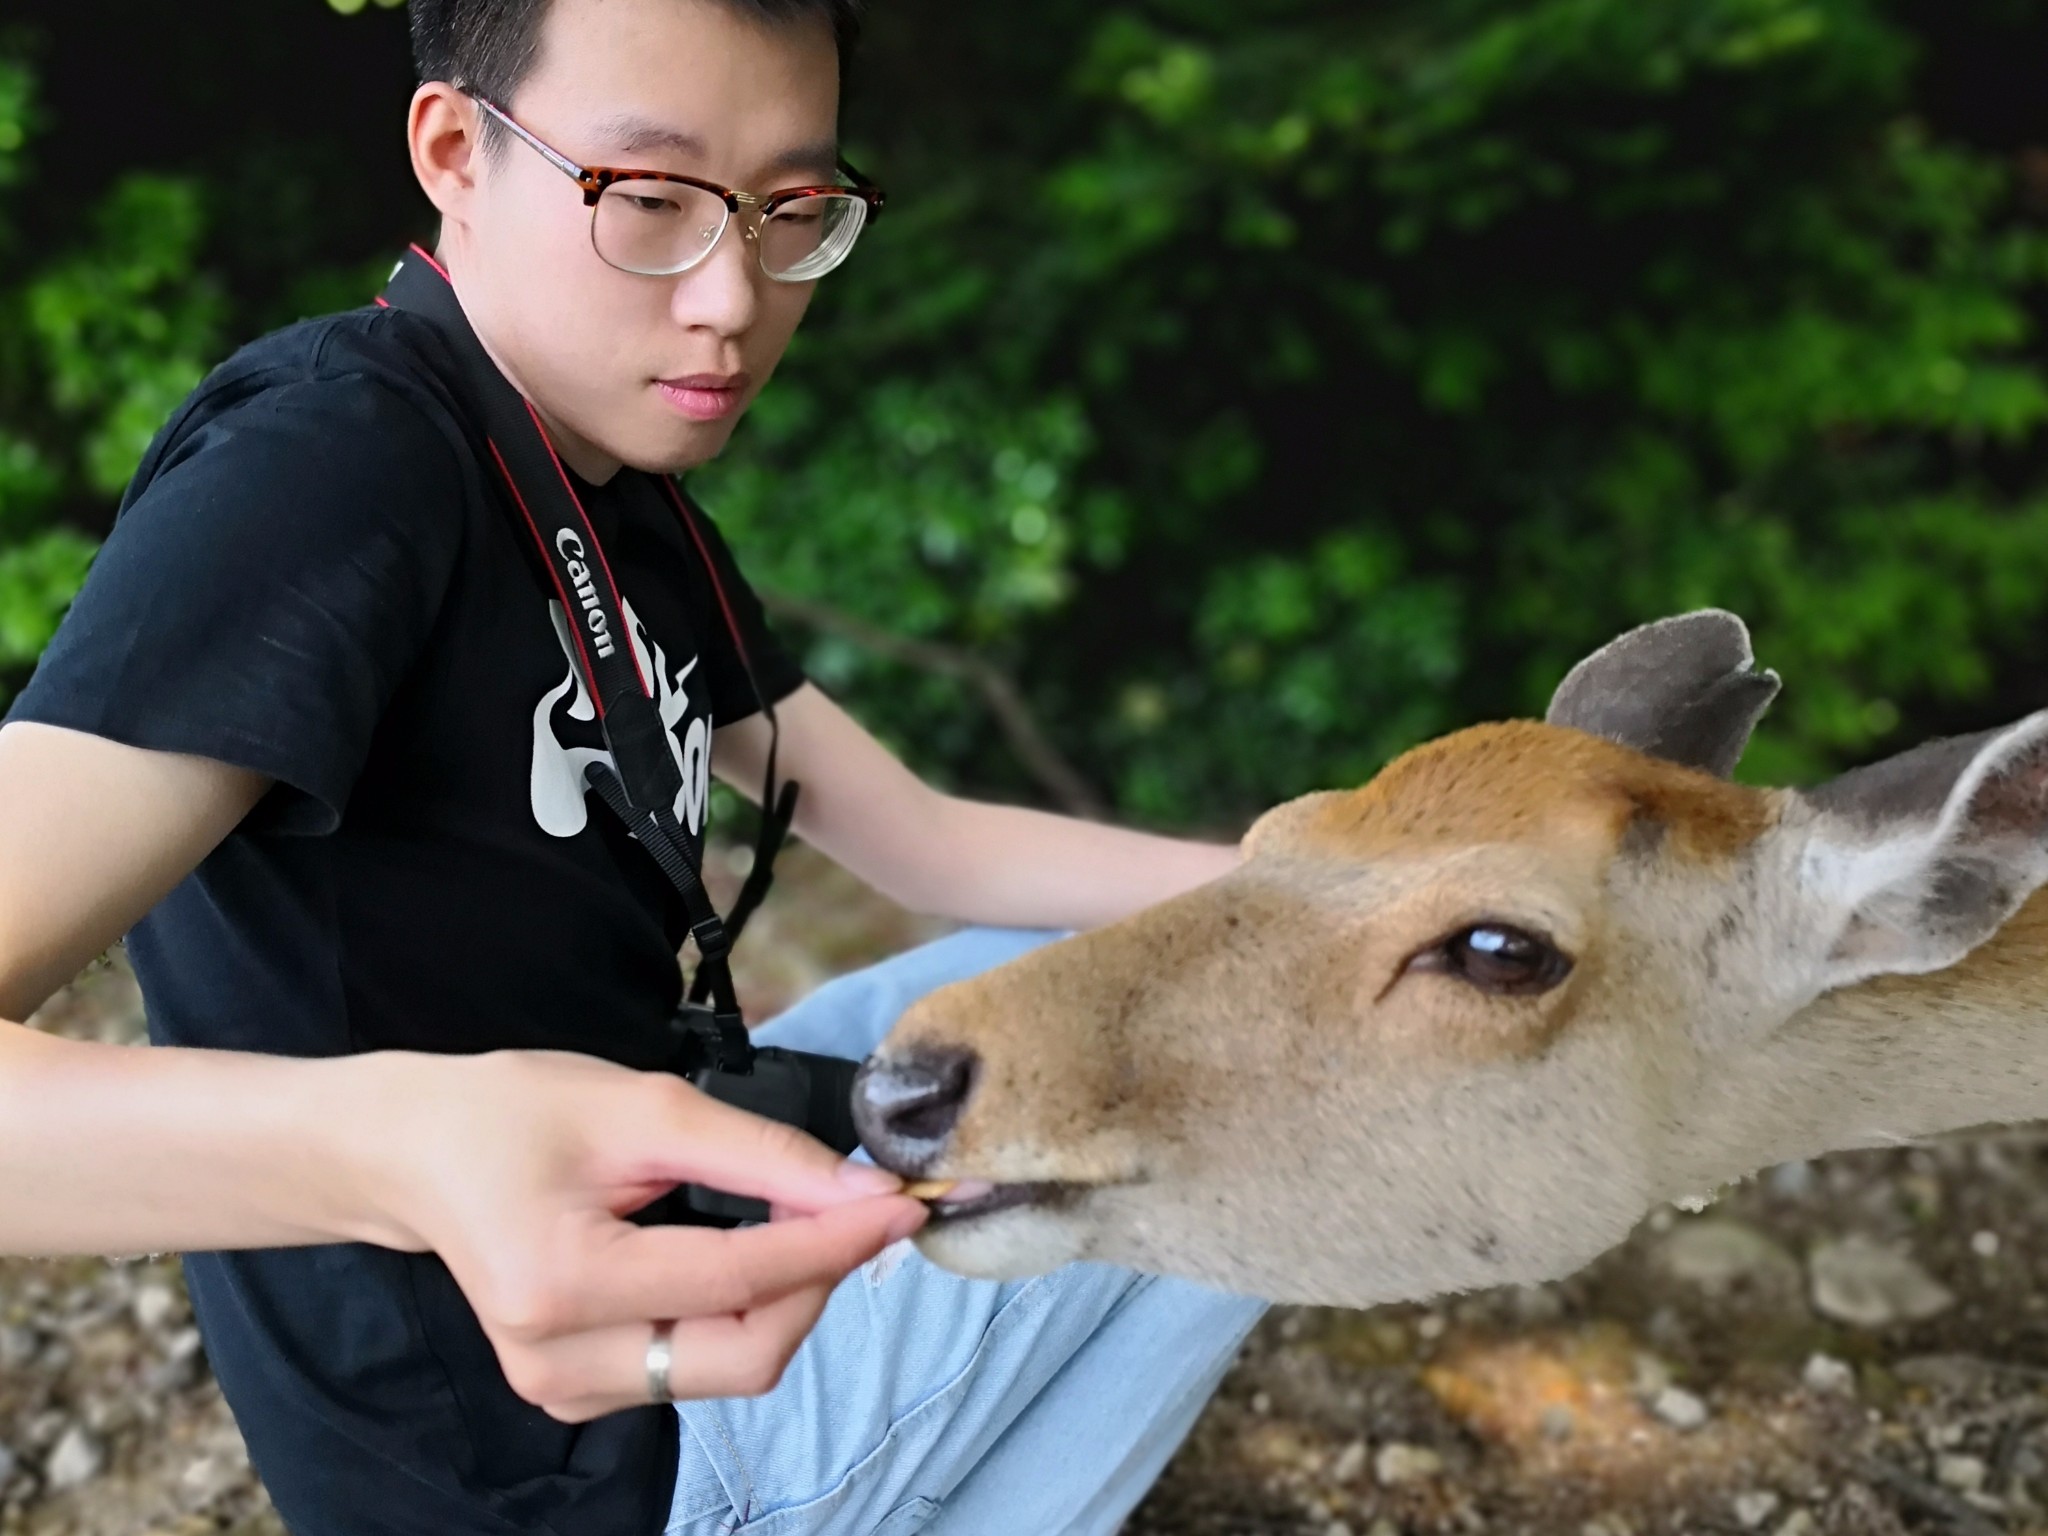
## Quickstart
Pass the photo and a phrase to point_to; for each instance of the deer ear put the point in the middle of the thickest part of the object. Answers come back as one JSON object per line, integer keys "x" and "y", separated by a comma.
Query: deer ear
{"x": 1685, "y": 689}
{"x": 1925, "y": 855}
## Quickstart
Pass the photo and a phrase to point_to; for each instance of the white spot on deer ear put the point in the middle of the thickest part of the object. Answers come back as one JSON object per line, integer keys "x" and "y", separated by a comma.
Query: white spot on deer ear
{"x": 1921, "y": 859}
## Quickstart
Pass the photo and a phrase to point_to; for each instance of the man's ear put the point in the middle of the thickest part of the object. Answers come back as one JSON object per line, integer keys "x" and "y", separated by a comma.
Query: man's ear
{"x": 1685, "y": 689}
{"x": 1924, "y": 856}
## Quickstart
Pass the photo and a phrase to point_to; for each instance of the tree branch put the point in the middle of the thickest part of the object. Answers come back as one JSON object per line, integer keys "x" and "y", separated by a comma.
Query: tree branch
{"x": 1040, "y": 758}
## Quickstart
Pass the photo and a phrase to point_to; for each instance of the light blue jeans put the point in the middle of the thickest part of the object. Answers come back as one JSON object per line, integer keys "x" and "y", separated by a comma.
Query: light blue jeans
{"x": 928, "y": 1403}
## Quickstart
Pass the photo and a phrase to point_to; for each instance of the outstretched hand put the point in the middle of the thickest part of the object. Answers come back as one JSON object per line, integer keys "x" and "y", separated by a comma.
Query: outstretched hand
{"x": 519, "y": 1168}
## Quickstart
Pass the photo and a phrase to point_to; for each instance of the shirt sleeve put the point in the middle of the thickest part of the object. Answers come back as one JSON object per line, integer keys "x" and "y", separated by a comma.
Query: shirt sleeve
{"x": 774, "y": 668}
{"x": 271, "y": 580}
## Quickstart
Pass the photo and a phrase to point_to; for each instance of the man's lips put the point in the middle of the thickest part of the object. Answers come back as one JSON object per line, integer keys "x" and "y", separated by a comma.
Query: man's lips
{"x": 705, "y": 396}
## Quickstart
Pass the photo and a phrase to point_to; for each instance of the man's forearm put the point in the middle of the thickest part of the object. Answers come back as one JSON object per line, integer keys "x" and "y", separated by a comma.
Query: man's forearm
{"x": 1011, "y": 867}
{"x": 110, "y": 1149}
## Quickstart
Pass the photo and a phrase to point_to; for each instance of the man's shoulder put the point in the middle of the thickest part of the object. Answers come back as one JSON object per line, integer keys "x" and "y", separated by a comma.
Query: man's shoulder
{"x": 336, "y": 356}
{"x": 359, "y": 392}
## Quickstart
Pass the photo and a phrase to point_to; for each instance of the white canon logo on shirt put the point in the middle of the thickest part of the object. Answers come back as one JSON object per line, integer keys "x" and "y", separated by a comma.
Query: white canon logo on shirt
{"x": 558, "y": 785}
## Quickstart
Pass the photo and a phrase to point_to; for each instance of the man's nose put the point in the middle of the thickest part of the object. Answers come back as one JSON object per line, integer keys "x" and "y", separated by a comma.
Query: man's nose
{"x": 905, "y": 1107}
{"x": 722, "y": 293}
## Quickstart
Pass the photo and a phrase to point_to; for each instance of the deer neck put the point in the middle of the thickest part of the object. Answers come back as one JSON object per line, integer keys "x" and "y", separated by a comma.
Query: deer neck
{"x": 1889, "y": 1060}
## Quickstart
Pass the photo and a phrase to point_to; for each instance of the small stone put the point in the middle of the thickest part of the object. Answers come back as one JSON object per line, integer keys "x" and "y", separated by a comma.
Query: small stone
{"x": 210, "y": 1477}
{"x": 1984, "y": 1244}
{"x": 1430, "y": 1326}
{"x": 76, "y": 1460}
{"x": 1557, "y": 1422}
{"x": 1754, "y": 1507}
{"x": 1965, "y": 1474}
{"x": 7, "y": 1465}
{"x": 1679, "y": 1408}
{"x": 18, "y": 1347}
{"x": 1825, "y": 1374}
{"x": 1536, "y": 1304}
{"x": 1667, "y": 1330}
{"x": 183, "y": 1345}
{"x": 1798, "y": 1523}
{"x": 1337, "y": 1528}
{"x": 1651, "y": 1375}
{"x": 1863, "y": 1283}
{"x": 1262, "y": 1403}
{"x": 1793, "y": 1181}
{"x": 1718, "y": 1255}
{"x": 154, "y": 1305}
{"x": 169, "y": 1377}
{"x": 1349, "y": 1463}
{"x": 1383, "y": 1527}
{"x": 1398, "y": 1463}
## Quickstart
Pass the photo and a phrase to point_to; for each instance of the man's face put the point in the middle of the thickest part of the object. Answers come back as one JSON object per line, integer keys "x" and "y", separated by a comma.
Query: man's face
{"x": 688, "y": 86}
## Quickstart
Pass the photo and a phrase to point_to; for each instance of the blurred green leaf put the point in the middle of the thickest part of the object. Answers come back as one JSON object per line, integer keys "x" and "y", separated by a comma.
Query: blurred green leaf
{"x": 1268, "y": 388}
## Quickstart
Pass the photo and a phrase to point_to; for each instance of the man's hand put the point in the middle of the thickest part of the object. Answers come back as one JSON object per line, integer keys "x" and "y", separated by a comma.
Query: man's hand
{"x": 517, "y": 1168}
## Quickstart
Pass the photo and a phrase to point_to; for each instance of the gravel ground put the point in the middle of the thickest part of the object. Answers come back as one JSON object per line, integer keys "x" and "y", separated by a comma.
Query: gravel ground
{"x": 1855, "y": 1347}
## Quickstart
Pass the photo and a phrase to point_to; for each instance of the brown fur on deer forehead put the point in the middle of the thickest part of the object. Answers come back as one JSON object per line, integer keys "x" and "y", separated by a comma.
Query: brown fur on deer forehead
{"x": 1524, "y": 781}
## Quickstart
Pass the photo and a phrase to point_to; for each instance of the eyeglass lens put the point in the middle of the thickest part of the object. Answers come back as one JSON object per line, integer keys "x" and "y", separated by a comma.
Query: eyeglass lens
{"x": 659, "y": 228}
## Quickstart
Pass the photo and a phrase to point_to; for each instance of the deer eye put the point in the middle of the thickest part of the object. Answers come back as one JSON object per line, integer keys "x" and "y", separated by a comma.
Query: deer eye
{"x": 1497, "y": 958}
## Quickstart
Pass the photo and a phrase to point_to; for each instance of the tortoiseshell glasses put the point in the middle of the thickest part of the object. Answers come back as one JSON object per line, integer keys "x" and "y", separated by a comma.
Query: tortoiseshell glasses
{"x": 658, "y": 224}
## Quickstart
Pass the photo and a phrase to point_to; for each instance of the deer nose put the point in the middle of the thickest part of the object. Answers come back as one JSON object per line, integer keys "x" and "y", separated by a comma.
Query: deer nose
{"x": 906, "y": 1107}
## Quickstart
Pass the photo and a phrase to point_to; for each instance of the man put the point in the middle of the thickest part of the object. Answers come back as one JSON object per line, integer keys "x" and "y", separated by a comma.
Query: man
{"x": 313, "y": 716}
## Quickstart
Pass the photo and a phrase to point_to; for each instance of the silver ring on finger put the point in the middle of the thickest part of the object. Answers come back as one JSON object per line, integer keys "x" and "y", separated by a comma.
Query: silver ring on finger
{"x": 661, "y": 1360}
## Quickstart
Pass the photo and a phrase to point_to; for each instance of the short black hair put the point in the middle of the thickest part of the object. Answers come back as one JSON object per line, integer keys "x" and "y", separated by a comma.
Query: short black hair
{"x": 488, "y": 47}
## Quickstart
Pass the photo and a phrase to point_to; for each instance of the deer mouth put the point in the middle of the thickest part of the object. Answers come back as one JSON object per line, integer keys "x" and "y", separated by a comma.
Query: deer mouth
{"x": 977, "y": 1197}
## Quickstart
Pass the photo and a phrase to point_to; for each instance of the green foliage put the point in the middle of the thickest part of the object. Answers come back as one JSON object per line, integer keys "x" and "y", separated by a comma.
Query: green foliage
{"x": 124, "y": 325}
{"x": 38, "y": 579}
{"x": 1268, "y": 389}
{"x": 97, "y": 345}
{"x": 1408, "y": 352}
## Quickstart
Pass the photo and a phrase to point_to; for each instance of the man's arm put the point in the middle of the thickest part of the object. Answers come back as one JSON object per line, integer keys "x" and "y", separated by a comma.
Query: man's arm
{"x": 515, "y": 1167}
{"x": 92, "y": 835}
{"x": 946, "y": 857}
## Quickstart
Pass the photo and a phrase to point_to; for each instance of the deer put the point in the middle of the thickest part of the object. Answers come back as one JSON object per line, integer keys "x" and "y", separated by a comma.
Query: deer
{"x": 1466, "y": 1025}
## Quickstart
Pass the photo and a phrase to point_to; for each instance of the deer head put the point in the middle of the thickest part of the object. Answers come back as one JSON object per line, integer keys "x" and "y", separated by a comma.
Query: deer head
{"x": 1465, "y": 1025}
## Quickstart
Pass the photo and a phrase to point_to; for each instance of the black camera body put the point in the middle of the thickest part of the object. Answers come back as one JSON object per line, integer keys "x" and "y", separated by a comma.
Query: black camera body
{"x": 811, "y": 1092}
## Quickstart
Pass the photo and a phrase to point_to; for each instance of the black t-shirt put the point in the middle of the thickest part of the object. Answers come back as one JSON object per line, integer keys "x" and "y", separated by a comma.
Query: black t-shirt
{"x": 313, "y": 576}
